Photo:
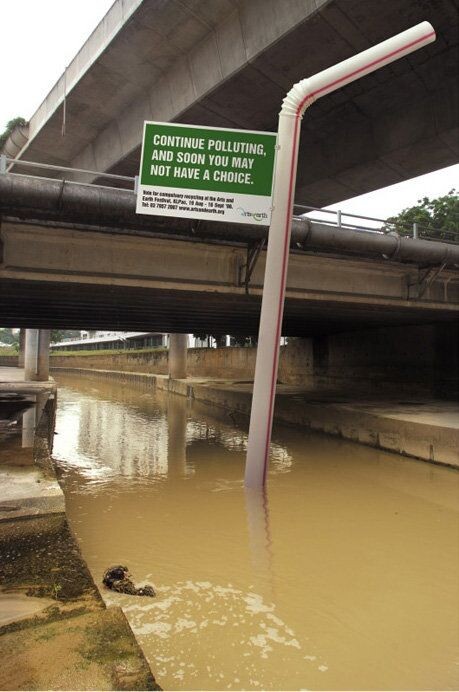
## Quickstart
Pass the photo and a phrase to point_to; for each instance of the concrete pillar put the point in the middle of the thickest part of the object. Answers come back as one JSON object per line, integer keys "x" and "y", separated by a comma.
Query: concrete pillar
{"x": 28, "y": 427}
{"x": 22, "y": 334}
{"x": 177, "y": 356}
{"x": 31, "y": 419}
{"x": 31, "y": 354}
{"x": 43, "y": 355}
{"x": 36, "y": 356}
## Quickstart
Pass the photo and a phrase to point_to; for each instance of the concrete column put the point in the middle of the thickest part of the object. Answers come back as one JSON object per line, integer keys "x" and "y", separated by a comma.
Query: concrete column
{"x": 36, "y": 356}
{"x": 177, "y": 356}
{"x": 43, "y": 355}
{"x": 31, "y": 419}
{"x": 28, "y": 427}
{"x": 31, "y": 354}
{"x": 22, "y": 334}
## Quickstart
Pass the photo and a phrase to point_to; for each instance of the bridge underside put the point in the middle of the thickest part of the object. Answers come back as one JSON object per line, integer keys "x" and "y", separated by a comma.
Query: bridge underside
{"x": 55, "y": 276}
{"x": 231, "y": 64}
{"x": 63, "y": 305}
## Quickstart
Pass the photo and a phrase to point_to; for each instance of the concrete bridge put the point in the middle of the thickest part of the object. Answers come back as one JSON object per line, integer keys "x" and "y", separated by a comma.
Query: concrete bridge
{"x": 228, "y": 63}
{"x": 75, "y": 256}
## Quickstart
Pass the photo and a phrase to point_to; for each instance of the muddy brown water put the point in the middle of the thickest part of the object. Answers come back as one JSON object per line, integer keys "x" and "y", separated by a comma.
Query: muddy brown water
{"x": 344, "y": 576}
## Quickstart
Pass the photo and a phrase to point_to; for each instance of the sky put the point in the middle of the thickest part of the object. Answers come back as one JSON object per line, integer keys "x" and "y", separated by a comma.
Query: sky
{"x": 41, "y": 37}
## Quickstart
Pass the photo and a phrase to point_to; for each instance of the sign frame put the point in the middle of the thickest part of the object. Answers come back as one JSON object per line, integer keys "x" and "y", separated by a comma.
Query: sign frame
{"x": 233, "y": 173}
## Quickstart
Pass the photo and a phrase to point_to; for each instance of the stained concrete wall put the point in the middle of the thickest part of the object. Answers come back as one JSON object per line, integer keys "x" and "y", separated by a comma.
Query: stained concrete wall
{"x": 227, "y": 363}
{"x": 409, "y": 361}
{"x": 295, "y": 365}
{"x": 416, "y": 359}
{"x": 9, "y": 361}
{"x": 368, "y": 424}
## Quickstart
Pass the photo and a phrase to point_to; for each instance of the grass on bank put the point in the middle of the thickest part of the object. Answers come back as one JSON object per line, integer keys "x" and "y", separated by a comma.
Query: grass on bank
{"x": 8, "y": 351}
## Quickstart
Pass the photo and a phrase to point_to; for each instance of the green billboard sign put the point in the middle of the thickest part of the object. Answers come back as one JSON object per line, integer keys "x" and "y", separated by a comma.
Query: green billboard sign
{"x": 206, "y": 173}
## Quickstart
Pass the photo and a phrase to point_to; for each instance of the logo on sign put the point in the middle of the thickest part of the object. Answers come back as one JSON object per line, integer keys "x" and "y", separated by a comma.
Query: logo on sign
{"x": 257, "y": 216}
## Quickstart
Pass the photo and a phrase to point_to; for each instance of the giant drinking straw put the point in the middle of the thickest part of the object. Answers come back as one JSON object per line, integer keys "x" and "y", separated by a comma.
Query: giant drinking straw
{"x": 295, "y": 103}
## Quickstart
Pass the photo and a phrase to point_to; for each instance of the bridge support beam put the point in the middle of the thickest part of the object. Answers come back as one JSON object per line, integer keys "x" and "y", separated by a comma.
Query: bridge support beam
{"x": 36, "y": 355}
{"x": 22, "y": 333}
{"x": 178, "y": 344}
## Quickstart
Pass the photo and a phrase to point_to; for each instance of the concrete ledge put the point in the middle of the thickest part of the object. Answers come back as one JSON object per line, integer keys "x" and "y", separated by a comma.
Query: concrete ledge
{"x": 394, "y": 426}
{"x": 55, "y": 632}
{"x": 12, "y": 380}
{"x": 27, "y": 493}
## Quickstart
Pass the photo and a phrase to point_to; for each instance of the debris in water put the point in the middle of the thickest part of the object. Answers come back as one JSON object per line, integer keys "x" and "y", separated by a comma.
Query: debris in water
{"x": 118, "y": 579}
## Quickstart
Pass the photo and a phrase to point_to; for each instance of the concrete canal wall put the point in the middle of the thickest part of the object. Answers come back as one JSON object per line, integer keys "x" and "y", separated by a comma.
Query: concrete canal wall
{"x": 417, "y": 360}
{"x": 201, "y": 362}
{"x": 8, "y": 361}
{"x": 423, "y": 429}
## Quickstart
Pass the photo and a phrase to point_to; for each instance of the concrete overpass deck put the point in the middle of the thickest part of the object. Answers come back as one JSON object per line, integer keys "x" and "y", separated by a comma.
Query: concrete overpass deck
{"x": 82, "y": 279}
{"x": 76, "y": 256}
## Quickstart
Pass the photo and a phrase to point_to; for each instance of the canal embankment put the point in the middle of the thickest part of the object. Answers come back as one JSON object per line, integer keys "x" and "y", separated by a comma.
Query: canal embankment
{"x": 55, "y": 630}
{"x": 421, "y": 427}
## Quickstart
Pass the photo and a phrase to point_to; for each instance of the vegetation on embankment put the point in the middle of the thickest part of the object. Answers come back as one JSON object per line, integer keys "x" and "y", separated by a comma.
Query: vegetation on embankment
{"x": 8, "y": 351}
{"x": 10, "y": 126}
{"x": 436, "y": 218}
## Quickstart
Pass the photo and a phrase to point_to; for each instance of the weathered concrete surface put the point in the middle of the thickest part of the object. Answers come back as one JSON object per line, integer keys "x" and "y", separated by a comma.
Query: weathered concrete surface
{"x": 12, "y": 380}
{"x": 31, "y": 497}
{"x": 27, "y": 493}
{"x": 92, "y": 651}
{"x": 407, "y": 361}
{"x": 177, "y": 356}
{"x": 17, "y": 607}
{"x": 55, "y": 632}
{"x": 36, "y": 357}
{"x": 81, "y": 278}
{"x": 426, "y": 429}
{"x": 10, "y": 361}
{"x": 229, "y": 64}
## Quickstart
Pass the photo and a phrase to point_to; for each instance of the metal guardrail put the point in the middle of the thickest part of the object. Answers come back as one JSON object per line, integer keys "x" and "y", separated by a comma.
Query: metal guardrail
{"x": 417, "y": 230}
{"x": 5, "y": 160}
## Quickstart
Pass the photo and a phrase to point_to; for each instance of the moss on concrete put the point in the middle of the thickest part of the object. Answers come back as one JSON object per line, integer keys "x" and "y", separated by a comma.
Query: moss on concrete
{"x": 46, "y": 564}
{"x": 60, "y": 655}
{"x": 73, "y": 642}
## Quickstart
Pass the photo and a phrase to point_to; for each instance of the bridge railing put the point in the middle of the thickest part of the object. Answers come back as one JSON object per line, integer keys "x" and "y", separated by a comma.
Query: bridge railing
{"x": 346, "y": 220}
{"x": 6, "y": 161}
{"x": 335, "y": 217}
